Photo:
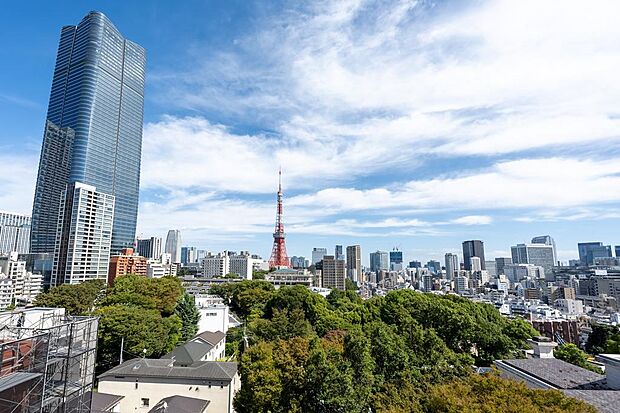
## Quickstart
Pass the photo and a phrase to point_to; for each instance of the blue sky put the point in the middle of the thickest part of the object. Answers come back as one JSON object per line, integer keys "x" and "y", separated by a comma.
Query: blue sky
{"x": 396, "y": 123}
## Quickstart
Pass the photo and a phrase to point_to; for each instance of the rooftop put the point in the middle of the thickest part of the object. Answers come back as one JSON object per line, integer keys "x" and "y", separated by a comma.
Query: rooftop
{"x": 605, "y": 401}
{"x": 559, "y": 374}
{"x": 164, "y": 368}
{"x": 211, "y": 337}
{"x": 180, "y": 404}
{"x": 103, "y": 402}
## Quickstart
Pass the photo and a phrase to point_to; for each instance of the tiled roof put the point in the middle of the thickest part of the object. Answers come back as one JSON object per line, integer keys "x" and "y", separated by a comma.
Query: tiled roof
{"x": 103, "y": 402}
{"x": 559, "y": 373}
{"x": 180, "y": 404}
{"x": 605, "y": 401}
{"x": 164, "y": 368}
{"x": 189, "y": 353}
{"x": 211, "y": 337}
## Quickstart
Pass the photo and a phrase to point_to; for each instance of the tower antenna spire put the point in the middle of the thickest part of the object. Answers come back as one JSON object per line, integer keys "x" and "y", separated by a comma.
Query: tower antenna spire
{"x": 279, "y": 258}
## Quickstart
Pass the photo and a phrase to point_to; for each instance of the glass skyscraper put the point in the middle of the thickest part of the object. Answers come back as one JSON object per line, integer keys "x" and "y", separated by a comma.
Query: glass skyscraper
{"x": 93, "y": 132}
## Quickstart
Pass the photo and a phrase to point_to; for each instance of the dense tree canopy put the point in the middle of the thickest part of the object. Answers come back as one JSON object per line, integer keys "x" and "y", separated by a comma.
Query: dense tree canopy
{"x": 79, "y": 299}
{"x": 386, "y": 354}
{"x": 151, "y": 314}
{"x": 604, "y": 339}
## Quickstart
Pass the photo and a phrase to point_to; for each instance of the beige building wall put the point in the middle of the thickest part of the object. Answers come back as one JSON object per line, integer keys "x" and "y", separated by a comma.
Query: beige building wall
{"x": 219, "y": 393}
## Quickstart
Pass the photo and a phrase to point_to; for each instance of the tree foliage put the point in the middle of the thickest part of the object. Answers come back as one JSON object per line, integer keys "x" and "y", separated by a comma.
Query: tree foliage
{"x": 489, "y": 393}
{"x": 604, "y": 339}
{"x": 340, "y": 353}
{"x": 572, "y": 354}
{"x": 78, "y": 299}
{"x": 189, "y": 315}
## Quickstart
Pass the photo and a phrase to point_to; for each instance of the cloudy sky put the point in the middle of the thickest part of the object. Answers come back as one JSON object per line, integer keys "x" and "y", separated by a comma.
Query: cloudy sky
{"x": 410, "y": 124}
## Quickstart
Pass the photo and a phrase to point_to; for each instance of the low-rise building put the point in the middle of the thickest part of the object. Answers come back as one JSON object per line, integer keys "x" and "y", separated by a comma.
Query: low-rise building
{"x": 288, "y": 276}
{"x": 143, "y": 383}
{"x": 126, "y": 263}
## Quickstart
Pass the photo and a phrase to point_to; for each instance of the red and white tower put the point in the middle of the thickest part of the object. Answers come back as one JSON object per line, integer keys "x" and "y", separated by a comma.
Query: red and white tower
{"x": 279, "y": 258}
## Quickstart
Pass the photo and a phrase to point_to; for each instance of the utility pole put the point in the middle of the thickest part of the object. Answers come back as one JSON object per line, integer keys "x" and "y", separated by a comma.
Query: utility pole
{"x": 122, "y": 344}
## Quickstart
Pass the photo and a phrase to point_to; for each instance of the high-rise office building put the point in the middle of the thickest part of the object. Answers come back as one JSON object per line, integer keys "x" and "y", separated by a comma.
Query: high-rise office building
{"x": 299, "y": 262}
{"x": 173, "y": 245}
{"x": 473, "y": 248}
{"x": 84, "y": 235}
{"x": 396, "y": 260}
{"x": 415, "y": 264}
{"x": 500, "y": 264}
{"x": 14, "y": 233}
{"x": 354, "y": 263}
{"x": 379, "y": 260}
{"x": 588, "y": 251}
{"x": 535, "y": 254}
{"x": 318, "y": 254}
{"x": 617, "y": 251}
{"x": 338, "y": 252}
{"x": 333, "y": 273}
{"x": 434, "y": 266}
{"x": 149, "y": 248}
{"x": 93, "y": 130}
{"x": 547, "y": 240}
{"x": 452, "y": 265}
{"x": 188, "y": 255}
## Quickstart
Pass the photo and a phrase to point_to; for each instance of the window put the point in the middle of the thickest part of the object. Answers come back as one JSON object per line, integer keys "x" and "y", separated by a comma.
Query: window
{"x": 144, "y": 402}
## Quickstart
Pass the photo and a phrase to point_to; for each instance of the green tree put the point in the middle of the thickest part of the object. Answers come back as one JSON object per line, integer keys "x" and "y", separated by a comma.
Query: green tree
{"x": 489, "y": 393}
{"x": 190, "y": 316}
{"x": 78, "y": 299}
{"x": 572, "y": 354}
{"x": 141, "y": 328}
{"x": 161, "y": 294}
{"x": 603, "y": 339}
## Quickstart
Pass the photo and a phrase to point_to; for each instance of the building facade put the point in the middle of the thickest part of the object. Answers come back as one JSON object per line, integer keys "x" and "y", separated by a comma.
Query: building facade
{"x": 84, "y": 235}
{"x": 173, "y": 245}
{"x": 535, "y": 254}
{"x": 588, "y": 251}
{"x": 500, "y": 264}
{"x": 379, "y": 260}
{"x": 452, "y": 265}
{"x": 473, "y": 248}
{"x": 318, "y": 254}
{"x": 126, "y": 263}
{"x": 93, "y": 130}
{"x": 396, "y": 260}
{"x": 354, "y": 263}
{"x": 14, "y": 233}
{"x": 149, "y": 247}
{"x": 333, "y": 273}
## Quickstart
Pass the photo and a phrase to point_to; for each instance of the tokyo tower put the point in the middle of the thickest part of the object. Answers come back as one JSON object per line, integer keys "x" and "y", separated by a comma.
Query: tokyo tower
{"x": 279, "y": 259}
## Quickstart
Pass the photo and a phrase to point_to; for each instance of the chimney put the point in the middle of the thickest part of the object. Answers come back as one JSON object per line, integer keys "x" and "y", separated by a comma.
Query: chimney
{"x": 612, "y": 369}
{"x": 543, "y": 347}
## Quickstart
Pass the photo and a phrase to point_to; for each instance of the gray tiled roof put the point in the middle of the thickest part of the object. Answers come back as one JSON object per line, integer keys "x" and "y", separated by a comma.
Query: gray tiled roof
{"x": 180, "y": 404}
{"x": 164, "y": 368}
{"x": 560, "y": 374}
{"x": 605, "y": 401}
{"x": 189, "y": 353}
{"x": 211, "y": 337}
{"x": 103, "y": 402}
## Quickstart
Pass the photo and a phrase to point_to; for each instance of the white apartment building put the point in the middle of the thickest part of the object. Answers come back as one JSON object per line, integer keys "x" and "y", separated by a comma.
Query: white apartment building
{"x": 517, "y": 272}
{"x": 227, "y": 262}
{"x": 84, "y": 235}
{"x": 568, "y": 306}
{"x": 15, "y": 270}
{"x": 7, "y": 292}
{"x": 158, "y": 268}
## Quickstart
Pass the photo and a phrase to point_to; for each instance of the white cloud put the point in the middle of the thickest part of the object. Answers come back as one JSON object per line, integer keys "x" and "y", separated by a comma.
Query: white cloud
{"x": 547, "y": 183}
{"x": 473, "y": 220}
{"x": 17, "y": 181}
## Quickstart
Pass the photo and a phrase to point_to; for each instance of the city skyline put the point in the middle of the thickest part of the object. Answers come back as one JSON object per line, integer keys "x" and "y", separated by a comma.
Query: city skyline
{"x": 424, "y": 148}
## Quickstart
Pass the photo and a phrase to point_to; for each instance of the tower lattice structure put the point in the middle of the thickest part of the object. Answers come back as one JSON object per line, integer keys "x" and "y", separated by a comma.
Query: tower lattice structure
{"x": 279, "y": 258}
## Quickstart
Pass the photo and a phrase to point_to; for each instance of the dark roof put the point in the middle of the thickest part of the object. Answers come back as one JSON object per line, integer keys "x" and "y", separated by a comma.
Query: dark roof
{"x": 103, "y": 402}
{"x": 211, "y": 337}
{"x": 189, "y": 353}
{"x": 17, "y": 378}
{"x": 605, "y": 401}
{"x": 164, "y": 368}
{"x": 180, "y": 404}
{"x": 560, "y": 374}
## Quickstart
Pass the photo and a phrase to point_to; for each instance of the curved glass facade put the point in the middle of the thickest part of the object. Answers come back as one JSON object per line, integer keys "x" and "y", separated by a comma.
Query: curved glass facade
{"x": 98, "y": 97}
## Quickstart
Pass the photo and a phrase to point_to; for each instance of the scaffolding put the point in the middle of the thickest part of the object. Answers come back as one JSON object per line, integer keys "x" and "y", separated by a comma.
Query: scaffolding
{"x": 47, "y": 361}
